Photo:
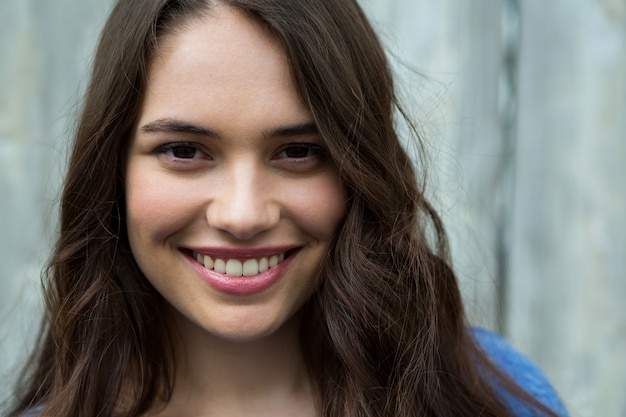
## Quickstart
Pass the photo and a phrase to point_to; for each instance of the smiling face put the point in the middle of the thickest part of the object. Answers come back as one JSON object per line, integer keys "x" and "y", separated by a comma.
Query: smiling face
{"x": 231, "y": 202}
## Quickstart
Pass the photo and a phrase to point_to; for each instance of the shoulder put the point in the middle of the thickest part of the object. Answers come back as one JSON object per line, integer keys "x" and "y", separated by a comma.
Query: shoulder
{"x": 521, "y": 369}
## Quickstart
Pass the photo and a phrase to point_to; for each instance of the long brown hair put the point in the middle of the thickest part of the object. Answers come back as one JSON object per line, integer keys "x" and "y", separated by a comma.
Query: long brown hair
{"x": 385, "y": 334}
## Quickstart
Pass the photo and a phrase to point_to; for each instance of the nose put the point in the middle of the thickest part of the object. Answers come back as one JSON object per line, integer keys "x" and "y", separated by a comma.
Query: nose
{"x": 242, "y": 203}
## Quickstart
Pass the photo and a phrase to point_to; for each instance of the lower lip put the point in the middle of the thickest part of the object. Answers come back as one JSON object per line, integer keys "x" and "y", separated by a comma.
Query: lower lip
{"x": 242, "y": 285}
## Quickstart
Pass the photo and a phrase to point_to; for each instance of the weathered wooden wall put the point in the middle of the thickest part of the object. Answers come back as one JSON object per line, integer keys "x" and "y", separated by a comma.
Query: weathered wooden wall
{"x": 524, "y": 105}
{"x": 45, "y": 50}
{"x": 568, "y": 262}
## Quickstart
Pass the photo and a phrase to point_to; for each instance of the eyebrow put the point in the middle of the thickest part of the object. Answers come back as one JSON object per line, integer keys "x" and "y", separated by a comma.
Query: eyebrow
{"x": 177, "y": 126}
{"x": 301, "y": 129}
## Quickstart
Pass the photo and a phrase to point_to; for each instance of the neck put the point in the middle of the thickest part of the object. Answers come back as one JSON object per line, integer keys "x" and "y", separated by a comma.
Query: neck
{"x": 231, "y": 378}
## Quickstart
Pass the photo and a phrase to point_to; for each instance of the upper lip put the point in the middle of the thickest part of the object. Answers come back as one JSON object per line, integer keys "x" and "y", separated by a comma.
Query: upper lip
{"x": 238, "y": 252}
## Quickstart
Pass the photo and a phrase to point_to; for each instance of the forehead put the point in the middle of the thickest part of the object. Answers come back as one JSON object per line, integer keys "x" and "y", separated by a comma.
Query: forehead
{"x": 221, "y": 63}
{"x": 223, "y": 40}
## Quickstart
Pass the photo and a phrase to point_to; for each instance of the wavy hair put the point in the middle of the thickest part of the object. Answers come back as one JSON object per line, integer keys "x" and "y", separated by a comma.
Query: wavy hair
{"x": 384, "y": 335}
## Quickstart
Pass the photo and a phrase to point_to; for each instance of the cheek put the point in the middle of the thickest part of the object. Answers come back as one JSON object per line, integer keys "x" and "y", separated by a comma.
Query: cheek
{"x": 320, "y": 207}
{"x": 154, "y": 210}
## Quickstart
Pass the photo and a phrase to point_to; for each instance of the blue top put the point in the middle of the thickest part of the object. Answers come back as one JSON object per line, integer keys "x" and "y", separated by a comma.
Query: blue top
{"x": 523, "y": 371}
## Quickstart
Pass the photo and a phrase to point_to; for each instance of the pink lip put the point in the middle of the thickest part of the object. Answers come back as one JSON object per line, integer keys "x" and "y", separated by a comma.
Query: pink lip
{"x": 241, "y": 253}
{"x": 243, "y": 285}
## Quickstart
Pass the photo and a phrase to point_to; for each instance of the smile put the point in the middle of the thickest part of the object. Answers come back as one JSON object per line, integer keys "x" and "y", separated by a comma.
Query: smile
{"x": 237, "y": 267}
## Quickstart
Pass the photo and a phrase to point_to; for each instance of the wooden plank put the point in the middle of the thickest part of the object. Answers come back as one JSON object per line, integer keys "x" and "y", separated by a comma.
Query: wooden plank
{"x": 568, "y": 271}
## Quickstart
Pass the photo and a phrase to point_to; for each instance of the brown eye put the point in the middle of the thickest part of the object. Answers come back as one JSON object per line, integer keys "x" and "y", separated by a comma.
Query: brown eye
{"x": 179, "y": 150}
{"x": 301, "y": 150}
{"x": 301, "y": 157}
{"x": 183, "y": 152}
{"x": 297, "y": 152}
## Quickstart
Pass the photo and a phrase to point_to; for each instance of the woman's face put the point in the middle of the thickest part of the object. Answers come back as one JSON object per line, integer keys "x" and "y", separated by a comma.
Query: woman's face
{"x": 227, "y": 176}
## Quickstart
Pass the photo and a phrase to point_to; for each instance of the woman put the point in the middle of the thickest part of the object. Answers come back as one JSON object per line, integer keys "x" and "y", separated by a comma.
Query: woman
{"x": 242, "y": 233}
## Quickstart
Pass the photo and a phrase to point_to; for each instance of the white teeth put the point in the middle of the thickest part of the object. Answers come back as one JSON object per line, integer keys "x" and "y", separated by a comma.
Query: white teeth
{"x": 250, "y": 267}
{"x": 219, "y": 266}
{"x": 237, "y": 268}
{"x": 207, "y": 261}
{"x": 264, "y": 265}
{"x": 234, "y": 268}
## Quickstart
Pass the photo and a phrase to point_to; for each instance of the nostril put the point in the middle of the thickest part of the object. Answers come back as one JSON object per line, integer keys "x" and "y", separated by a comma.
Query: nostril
{"x": 244, "y": 219}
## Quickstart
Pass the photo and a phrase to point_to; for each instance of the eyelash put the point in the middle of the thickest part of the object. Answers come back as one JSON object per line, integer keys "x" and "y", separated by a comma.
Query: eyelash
{"x": 311, "y": 147}
{"x": 196, "y": 156}
{"x": 170, "y": 147}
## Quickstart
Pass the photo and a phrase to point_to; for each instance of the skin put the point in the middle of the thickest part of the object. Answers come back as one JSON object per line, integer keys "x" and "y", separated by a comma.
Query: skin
{"x": 247, "y": 175}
